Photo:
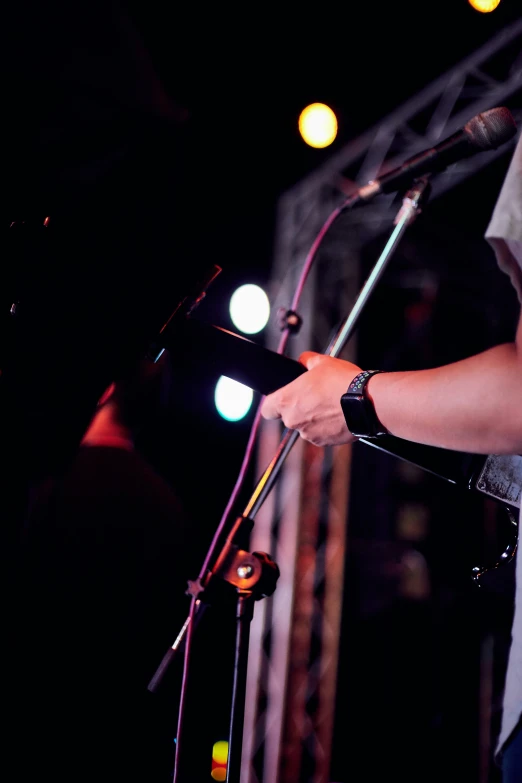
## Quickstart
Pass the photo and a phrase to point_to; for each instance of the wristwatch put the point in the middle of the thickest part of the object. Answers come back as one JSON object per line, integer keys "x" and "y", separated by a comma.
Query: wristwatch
{"x": 358, "y": 409}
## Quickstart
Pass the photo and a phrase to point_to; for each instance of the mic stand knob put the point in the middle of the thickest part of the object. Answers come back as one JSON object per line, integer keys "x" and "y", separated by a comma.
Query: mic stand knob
{"x": 255, "y": 572}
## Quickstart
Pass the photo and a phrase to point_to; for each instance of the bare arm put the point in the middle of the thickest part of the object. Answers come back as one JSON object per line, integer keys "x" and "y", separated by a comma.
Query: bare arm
{"x": 473, "y": 405}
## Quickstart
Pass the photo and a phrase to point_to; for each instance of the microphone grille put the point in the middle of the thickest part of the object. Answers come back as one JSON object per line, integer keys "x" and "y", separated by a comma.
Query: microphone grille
{"x": 491, "y": 128}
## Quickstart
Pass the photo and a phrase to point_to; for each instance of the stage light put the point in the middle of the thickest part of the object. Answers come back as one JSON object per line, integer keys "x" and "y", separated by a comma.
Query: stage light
{"x": 249, "y": 308}
{"x": 318, "y": 125}
{"x": 219, "y": 760}
{"x": 232, "y": 399}
{"x": 484, "y": 6}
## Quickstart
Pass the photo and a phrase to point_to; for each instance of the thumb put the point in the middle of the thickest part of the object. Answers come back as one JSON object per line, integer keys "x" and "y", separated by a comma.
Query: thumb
{"x": 311, "y": 359}
{"x": 269, "y": 407}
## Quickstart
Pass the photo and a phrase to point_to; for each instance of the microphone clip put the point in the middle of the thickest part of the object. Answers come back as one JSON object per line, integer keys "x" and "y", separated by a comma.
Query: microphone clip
{"x": 414, "y": 200}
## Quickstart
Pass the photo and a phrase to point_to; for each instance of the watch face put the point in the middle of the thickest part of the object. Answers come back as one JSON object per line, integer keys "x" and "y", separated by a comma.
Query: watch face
{"x": 360, "y": 416}
{"x": 354, "y": 413}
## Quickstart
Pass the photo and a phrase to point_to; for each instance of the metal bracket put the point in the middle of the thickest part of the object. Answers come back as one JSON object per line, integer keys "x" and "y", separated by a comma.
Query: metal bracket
{"x": 501, "y": 478}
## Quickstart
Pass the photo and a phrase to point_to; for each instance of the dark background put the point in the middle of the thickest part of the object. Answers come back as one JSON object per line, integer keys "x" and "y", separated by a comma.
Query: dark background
{"x": 244, "y": 74}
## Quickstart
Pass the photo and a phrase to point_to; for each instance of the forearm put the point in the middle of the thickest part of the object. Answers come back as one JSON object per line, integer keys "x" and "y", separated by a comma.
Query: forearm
{"x": 474, "y": 405}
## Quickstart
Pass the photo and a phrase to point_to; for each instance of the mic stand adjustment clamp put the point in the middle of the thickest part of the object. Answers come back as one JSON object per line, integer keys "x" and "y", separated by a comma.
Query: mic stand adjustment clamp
{"x": 251, "y": 572}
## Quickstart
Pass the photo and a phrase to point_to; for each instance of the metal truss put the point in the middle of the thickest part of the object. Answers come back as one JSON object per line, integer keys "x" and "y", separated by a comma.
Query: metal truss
{"x": 293, "y": 661}
{"x": 490, "y": 77}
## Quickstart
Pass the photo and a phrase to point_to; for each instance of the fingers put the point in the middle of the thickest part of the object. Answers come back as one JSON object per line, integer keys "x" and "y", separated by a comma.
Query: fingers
{"x": 270, "y": 408}
{"x": 311, "y": 359}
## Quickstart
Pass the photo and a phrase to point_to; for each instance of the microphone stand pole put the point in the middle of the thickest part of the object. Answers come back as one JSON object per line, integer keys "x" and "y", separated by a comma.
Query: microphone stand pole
{"x": 411, "y": 207}
{"x": 254, "y": 575}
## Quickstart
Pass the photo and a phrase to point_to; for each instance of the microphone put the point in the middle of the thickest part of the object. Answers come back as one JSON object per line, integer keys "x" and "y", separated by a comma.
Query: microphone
{"x": 486, "y": 131}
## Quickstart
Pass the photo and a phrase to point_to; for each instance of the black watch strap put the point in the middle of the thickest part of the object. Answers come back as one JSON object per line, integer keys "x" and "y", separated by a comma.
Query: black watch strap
{"x": 358, "y": 410}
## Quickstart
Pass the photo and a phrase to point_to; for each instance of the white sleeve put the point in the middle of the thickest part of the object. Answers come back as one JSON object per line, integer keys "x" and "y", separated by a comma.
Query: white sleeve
{"x": 504, "y": 232}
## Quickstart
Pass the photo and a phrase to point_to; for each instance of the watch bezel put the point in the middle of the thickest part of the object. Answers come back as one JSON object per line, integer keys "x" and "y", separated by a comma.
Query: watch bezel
{"x": 358, "y": 410}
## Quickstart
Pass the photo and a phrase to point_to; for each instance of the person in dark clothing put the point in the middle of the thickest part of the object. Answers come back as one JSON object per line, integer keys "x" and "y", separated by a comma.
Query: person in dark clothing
{"x": 99, "y": 253}
{"x": 107, "y": 554}
{"x": 99, "y": 242}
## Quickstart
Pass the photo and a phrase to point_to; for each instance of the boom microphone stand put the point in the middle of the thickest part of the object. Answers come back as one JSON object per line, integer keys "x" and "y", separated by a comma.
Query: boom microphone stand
{"x": 254, "y": 575}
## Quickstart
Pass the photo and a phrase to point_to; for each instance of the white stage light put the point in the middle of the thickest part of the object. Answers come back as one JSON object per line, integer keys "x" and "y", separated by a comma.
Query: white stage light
{"x": 233, "y": 399}
{"x": 249, "y": 308}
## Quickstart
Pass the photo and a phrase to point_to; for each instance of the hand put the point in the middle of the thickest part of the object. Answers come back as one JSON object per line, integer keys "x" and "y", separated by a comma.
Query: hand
{"x": 312, "y": 403}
